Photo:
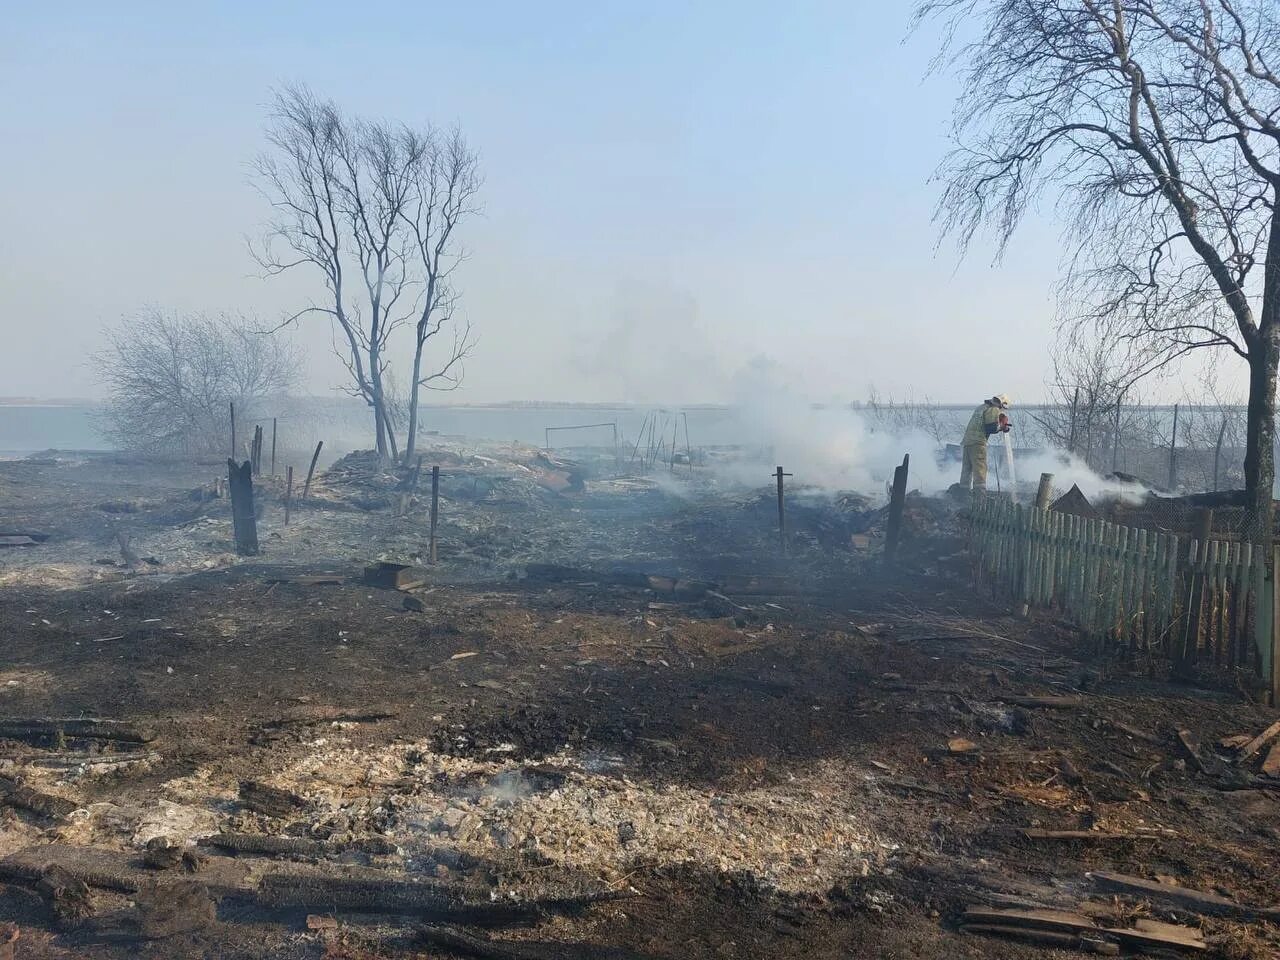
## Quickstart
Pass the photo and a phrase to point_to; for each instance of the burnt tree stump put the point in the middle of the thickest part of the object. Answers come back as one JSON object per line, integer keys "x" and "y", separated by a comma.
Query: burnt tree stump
{"x": 244, "y": 522}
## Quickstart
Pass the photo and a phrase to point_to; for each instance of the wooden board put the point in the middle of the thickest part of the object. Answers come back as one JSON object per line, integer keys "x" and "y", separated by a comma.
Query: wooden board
{"x": 1197, "y": 901}
{"x": 1042, "y": 919}
{"x": 1144, "y": 933}
{"x": 1085, "y": 835}
{"x": 1260, "y": 741}
{"x": 1271, "y": 765}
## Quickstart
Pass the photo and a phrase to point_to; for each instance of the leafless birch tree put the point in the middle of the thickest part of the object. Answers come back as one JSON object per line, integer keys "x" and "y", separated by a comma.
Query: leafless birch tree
{"x": 1155, "y": 125}
{"x": 347, "y": 199}
{"x": 446, "y": 181}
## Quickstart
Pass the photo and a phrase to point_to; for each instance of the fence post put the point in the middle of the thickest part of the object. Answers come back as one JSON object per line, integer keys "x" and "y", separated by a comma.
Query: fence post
{"x": 1173, "y": 453}
{"x": 1272, "y": 671}
{"x": 306, "y": 487}
{"x": 1071, "y": 438}
{"x": 782, "y": 515}
{"x": 1201, "y": 531}
{"x": 1044, "y": 492}
{"x": 897, "y": 498}
{"x": 1115, "y": 441}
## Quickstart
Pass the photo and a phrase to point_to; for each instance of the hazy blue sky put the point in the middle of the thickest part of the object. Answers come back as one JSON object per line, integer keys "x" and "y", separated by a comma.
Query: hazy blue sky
{"x": 672, "y": 190}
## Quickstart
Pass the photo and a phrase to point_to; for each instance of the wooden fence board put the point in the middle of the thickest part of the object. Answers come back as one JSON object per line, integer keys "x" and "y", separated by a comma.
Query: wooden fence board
{"x": 1142, "y": 589}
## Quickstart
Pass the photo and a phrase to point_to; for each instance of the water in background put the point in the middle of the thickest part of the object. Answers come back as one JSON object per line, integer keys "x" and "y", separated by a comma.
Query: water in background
{"x": 29, "y": 428}
{"x": 345, "y": 425}
{"x": 342, "y": 425}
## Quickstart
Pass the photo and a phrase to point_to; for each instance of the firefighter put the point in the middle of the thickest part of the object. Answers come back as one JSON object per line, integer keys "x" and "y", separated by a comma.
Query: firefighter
{"x": 988, "y": 420}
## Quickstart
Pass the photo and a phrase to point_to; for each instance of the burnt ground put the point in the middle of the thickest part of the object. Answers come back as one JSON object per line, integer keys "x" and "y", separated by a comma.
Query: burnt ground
{"x": 772, "y": 767}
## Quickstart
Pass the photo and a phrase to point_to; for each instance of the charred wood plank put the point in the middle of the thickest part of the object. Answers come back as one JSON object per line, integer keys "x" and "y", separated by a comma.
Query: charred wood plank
{"x": 269, "y": 845}
{"x": 1085, "y": 836}
{"x": 427, "y": 899}
{"x": 32, "y": 871}
{"x": 85, "y": 728}
{"x": 17, "y": 794}
{"x": 459, "y": 941}
{"x": 111, "y": 870}
{"x": 1197, "y": 901}
{"x": 1045, "y": 938}
{"x": 269, "y": 800}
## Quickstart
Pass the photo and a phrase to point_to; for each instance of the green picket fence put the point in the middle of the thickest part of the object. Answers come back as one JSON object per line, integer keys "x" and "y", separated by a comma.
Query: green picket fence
{"x": 1211, "y": 602}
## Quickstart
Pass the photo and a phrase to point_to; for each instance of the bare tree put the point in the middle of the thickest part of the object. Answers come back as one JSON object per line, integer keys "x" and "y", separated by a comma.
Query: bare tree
{"x": 913, "y": 416}
{"x": 1091, "y": 400}
{"x": 446, "y": 181}
{"x": 1156, "y": 125}
{"x": 339, "y": 187}
{"x": 1211, "y": 432}
{"x": 170, "y": 378}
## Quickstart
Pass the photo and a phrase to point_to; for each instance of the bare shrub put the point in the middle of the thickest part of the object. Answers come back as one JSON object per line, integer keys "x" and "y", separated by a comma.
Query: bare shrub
{"x": 171, "y": 377}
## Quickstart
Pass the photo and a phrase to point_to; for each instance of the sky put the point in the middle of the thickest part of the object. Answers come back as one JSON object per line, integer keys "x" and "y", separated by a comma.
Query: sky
{"x": 674, "y": 192}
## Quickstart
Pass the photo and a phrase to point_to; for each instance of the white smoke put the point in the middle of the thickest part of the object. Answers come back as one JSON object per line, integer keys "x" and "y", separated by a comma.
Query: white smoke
{"x": 832, "y": 447}
{"x": 1068, "y": 470}
{"x": 836, "y": 447}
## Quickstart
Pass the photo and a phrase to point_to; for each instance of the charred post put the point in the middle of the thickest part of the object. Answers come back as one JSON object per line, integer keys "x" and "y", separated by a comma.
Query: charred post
{"x": 897, "y": 499}
{"x": 306, "y": 487}
{"x": 257, "y": 450}
{"x": 288, "y": 493}
{"x": 782, "y": 515}
{"x": 435, "y": 508}
{"x": 243, "y": 520}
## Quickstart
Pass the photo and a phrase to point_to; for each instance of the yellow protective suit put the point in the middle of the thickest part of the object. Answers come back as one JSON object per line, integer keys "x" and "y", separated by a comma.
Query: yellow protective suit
{"x": 984, "y": 422}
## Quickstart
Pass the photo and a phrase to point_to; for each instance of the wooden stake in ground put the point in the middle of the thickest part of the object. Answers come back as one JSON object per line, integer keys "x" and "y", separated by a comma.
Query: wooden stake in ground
{"x": 273, "y": 446}
{"x": 257, "y": 450}
{"x": 244, "y": 523}
{"x": 233, "y": 428}
{"x": 306, "y": 487}
{"x": 288, "y": 492}
{"x": 688, "y": 447}
{"x": 897, "y": 500}
{"x": 435, "y": 509}
{"x": 782, "y": 515}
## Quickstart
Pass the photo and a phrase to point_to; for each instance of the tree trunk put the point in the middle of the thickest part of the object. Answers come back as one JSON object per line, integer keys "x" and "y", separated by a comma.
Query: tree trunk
{"x": 1259, "y": 456}
{"x": 379, "y": 421}
{"x": 411, "y": 440}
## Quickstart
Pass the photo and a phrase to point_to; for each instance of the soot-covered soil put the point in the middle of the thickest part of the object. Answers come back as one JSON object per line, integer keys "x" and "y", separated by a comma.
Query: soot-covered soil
{"x": 744, "y": 757}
